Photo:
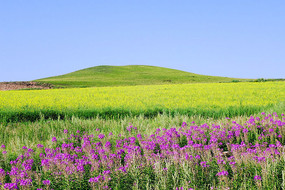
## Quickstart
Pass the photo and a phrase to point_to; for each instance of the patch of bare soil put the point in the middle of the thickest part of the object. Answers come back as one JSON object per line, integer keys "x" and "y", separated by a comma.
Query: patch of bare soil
{"x": 23, "y": 85}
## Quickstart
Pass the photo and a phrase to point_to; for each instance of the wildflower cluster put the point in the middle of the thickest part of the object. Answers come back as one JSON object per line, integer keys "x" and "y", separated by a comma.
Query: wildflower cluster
{"x": 175, "y": 158}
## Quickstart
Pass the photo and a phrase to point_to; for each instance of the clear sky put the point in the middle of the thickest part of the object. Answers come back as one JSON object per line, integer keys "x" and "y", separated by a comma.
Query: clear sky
{"x": 234, "y": 38}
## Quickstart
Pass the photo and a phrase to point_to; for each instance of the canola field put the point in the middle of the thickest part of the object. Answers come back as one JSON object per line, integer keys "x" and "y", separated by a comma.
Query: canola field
{"x": 210, "y": 100}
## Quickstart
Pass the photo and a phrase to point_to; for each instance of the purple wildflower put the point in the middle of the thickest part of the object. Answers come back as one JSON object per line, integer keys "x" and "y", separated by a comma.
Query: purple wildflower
{"x": 106, "y": 172}
{"x": 25, "y": 182}
{"x": 222, "y": 173}
{"x": 101, "y": 136}
{"x": 10, "y": 186}
{"x": 198, "y": 157}
{"x": 46, "y": 182}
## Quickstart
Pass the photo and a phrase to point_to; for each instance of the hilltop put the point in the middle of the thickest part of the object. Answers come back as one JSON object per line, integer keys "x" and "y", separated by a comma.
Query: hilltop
{"x": 129, "y": 75}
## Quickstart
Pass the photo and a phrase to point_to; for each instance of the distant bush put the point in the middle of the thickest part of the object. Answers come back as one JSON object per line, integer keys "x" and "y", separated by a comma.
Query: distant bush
{"x": 260, "y": 80}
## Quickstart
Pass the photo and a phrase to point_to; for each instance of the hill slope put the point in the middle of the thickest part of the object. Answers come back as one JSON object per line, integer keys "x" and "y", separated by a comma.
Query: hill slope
{"x": 129, "y": 75}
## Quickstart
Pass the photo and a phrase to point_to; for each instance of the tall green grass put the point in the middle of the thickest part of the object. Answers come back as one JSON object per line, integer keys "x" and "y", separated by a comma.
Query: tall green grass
{"x": 34, "y": 114}
{"x": 17, "y": 134}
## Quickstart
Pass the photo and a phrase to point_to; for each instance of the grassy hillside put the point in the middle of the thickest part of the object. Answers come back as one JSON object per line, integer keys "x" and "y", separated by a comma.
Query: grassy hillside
{"x": 129, "y": 75}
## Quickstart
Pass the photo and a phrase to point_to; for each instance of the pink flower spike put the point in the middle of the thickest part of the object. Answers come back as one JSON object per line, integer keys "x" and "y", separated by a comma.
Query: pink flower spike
{"x": 53, "y": 139}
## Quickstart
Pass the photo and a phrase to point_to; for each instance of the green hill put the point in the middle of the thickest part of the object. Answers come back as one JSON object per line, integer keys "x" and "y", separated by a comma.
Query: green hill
{"x": 129, "y": 75}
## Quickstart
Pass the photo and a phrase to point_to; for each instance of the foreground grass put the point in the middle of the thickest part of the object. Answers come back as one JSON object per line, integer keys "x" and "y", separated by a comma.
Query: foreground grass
{"x": 164, "y": 152}
{"x": 207, "y": 100}
{"x": 18, "y": 134}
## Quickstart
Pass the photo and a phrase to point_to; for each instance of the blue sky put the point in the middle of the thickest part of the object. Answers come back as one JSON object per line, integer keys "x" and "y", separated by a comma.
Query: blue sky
{"x": 223, "y": 38}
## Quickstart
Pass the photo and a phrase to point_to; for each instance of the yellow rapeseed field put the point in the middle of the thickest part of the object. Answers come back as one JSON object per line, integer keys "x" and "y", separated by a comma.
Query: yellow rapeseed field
{"x": 207, "y": 96}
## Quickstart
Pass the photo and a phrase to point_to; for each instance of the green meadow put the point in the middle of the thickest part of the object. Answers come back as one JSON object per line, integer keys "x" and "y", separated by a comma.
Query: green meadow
{"x": 130, "y": 75}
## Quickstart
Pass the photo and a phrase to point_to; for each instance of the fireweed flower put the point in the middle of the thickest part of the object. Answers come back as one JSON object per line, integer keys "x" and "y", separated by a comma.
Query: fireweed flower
{"x": 245, "y": 130}
{"x": 3, "y": 146}
{"x": 101, "y": 136}
{"x": 2, "y": 172}
{"x": 93, "y": 180}
{"x": 106, "y": 172}
{"x": 198, "y": 157}
{"x": 271, "y": 130}
{"x": 53, "y": 139}
{"x": 25, "y": 182}
{"x": 10, "y": 186}
{"x": 108, "y": 145}
{"x": 80, "y": 168}
{"x": 221, "y": 161}
{"x": 139, "y": 136}
{"x": 30, "y": 150}
{"x": 97, "y": 179}
{"x": 257, "y": 177}
{"x": 129, "y": 128}
{"x": 204, "y": 164}
{"x": 222, "y": 173}
{"x": 65, "y": 131}
{"x": 46, "y": 182}
{"x": 24, "y": 148}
